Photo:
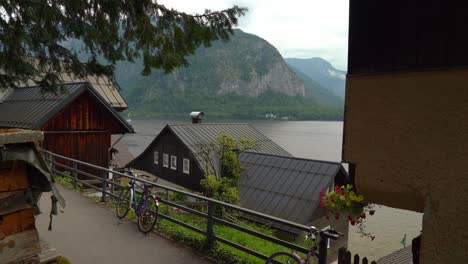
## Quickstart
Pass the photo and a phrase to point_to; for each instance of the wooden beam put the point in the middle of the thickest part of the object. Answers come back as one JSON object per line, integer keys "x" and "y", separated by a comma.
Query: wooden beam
{"x": 12, "y": 201}
{"x": 20, "y": 246}
{"x": 16, "y": 222}
{"x": 14, "y": 178}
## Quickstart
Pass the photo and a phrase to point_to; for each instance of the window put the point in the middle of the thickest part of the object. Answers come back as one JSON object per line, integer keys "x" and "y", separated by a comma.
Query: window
{"x": 156, "y": 157}
{"x": 166, "y": 160}
{"x": 186, "y": 167}
{"x": 174, "y": 162}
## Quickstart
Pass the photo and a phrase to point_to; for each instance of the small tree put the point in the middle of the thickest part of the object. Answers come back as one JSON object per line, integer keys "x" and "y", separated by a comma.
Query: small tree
{"x": 225, "y": 186}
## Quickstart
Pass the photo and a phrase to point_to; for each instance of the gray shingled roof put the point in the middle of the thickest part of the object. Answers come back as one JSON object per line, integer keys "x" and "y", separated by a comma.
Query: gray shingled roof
{"x": 194, "y": 135}
{"x": 401, "y": 256}
{"x": 285, "y": 187}
{"x": 106, "y": 87}
{"x": 31, "y": 108}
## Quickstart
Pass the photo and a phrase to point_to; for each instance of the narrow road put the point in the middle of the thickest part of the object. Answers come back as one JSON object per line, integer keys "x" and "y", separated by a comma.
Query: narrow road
{"x": 88, "y": 233}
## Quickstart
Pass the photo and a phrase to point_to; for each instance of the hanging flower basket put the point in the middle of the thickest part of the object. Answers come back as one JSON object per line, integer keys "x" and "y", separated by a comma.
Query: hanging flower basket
{"x": 344, "y": 202}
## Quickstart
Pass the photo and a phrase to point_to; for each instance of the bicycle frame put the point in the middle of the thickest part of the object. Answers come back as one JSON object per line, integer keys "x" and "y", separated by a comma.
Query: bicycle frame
{"x": 133, "y": 200}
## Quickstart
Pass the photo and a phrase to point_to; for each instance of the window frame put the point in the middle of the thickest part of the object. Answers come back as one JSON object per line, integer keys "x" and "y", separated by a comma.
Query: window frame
{"x": 165, "y": 160}
{"x": 156, "y": 157}
{"x": 173, "y": 157}
{"x": 186, "y": 169}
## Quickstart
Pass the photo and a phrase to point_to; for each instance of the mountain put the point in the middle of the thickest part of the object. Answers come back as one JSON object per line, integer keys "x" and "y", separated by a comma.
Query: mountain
{"x": 322, "y": 72}
{"x": 245, "y": 77}
{"x": 315, "y": 90}
{"x": 245, "y": 65}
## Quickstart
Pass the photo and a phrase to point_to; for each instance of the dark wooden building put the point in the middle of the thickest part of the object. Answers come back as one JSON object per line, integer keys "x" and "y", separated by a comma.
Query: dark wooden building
{"x": 77, "y": 122}
{"x": 176, "y": 154}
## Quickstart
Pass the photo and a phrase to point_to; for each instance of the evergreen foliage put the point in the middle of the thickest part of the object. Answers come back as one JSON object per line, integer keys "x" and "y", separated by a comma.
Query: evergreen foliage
{"x": 109, "y": 31}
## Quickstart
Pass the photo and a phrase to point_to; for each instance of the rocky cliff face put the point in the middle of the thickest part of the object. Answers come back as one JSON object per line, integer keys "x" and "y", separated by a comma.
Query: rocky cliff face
{"x": 245, "y": 65}
{"x": 322, "y": 72}
{"x": 278, "y": 78}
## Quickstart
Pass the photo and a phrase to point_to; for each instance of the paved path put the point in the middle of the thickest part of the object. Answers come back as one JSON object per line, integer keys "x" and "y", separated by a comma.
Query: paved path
{"x": 88, "y": 232}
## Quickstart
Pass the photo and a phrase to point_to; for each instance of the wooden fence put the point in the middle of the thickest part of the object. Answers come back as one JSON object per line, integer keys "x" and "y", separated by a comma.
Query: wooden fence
{"x": 344, "y": 257}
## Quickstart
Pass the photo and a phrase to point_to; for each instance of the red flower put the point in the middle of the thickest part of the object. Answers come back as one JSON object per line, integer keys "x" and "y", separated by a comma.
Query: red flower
{"x": 338, "y": 189}
{"x": 372, "y": 212}
{"x": 337, "y": 215}
{"x": 328, "y": 217}
{"x": 350, "y": 217}
{"x": 331, "y": 199}
{"x": 322, "y": 204}
{"x": 363, "y": 216}
{"x": 322, "y": 193}
{"x": 353, "y": 223}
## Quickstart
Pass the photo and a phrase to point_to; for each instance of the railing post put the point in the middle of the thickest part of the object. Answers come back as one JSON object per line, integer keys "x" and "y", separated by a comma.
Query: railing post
{"x": 210, "y": 236}
{"x": 104, "y": 183}
{"x": 75, "y": 175}
{"x": 323, "y": 248}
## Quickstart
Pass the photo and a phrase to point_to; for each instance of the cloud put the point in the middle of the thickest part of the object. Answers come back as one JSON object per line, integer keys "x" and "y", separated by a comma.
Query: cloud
{"x": 297, "y": 28}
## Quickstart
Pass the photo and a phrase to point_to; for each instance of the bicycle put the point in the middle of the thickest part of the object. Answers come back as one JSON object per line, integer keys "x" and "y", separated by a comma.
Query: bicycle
{"x": 294, "y": 258}
{"x": 146, "y": 209}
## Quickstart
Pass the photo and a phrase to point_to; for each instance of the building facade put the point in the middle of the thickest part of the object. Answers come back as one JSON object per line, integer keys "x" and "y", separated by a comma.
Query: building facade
{"x": 405, "y": 130}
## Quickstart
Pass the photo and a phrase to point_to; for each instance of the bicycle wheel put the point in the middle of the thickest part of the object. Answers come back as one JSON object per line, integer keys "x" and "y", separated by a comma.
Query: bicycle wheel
{"x": 283, "y": 258}
{"x": 148, "y": 214}
{"x": 123, "y": 203}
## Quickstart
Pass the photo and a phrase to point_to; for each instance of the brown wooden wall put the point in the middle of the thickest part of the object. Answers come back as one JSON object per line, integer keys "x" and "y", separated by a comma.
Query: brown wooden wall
{"x": 18, "y": 236}
{"x": 82, "y": 130}
{"x": 84, "y": 114}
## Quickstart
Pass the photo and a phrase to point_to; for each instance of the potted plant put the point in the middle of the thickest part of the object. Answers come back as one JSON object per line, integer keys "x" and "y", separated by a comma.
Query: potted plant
{"x": 344, "y": 202}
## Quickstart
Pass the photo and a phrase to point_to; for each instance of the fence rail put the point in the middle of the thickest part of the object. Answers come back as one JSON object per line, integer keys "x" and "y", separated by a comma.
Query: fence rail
{"x": 77, "y": 169}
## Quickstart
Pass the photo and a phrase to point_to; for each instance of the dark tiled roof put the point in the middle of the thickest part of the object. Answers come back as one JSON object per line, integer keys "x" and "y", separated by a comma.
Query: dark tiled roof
{"x": 195, "y": 136}
{"x": 285, "y": 187}
{"x": 31, "y": 108}
{"x": 401, "y": 256}
{"x": 105, "y": 87}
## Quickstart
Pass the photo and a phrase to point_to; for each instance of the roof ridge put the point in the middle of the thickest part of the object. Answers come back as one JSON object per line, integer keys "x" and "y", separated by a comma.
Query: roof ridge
{"x": 203, "y": 124}
{"x": 38, "y": 86}
{"x": 292, "y": 157}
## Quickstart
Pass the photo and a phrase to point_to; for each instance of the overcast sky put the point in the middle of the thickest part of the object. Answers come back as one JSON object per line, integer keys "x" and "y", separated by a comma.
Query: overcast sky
{"x": 297, "y": 28}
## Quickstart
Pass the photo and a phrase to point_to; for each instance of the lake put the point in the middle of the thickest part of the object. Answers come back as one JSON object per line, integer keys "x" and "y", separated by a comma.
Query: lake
{"x": 314, "y": 140}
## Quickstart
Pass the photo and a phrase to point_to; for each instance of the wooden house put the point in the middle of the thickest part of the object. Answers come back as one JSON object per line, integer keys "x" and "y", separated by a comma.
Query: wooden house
{"x": 24, "y": 176}
{"x": 77, "y": 122}
{"x": 176, "y": 154}
{"x": 289, "y": 188}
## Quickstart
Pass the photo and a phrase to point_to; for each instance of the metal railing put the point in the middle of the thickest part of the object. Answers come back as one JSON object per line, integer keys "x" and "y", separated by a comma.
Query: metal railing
{"x": 76, "y": 172}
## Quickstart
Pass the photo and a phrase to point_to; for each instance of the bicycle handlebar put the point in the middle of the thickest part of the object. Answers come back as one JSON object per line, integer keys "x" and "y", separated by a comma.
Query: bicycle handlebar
{"x": 329, "y": 232}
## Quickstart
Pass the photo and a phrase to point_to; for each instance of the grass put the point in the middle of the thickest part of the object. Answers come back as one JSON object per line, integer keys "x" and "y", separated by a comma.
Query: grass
{"x": 67, "y": 181}
{"x": 220, "y": 252}
{"x": 63, "y": 260}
